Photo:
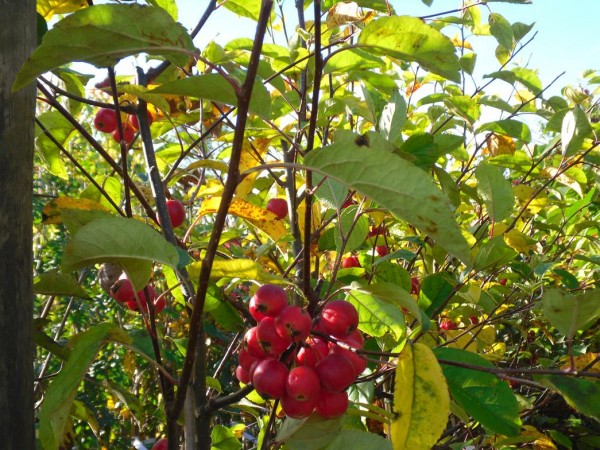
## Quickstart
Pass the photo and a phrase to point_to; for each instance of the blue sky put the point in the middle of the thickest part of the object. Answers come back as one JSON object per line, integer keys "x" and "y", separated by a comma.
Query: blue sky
{"x": 566, "y": 37}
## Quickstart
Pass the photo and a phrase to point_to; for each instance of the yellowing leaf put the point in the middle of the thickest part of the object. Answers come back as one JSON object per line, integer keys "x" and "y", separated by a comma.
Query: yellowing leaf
{"x": 246, "y": 269}
{"x": 262, "y": 219}
{"x": 474, "y": 340}
{"x": 514, "y": 238}
{"x": 542, "y": 442}
{"x": 51, "y": 213}
{"x": 498, "y": 144}
{"x": 458, "y": 42}
{"x": 342, "y": 13}
{"x": 252, "y": 154}
{"x": 316, "y": 216}
{"x": 49, "y": 8}
{"x": 582, "y": 362}
{"x": 421, "y": 400}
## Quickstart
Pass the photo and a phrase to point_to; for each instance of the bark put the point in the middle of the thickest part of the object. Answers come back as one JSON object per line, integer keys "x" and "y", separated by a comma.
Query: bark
{"x": 18, "y": 37}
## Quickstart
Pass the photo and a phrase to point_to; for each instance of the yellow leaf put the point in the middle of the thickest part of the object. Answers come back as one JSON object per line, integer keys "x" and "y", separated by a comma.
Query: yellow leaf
{"x": 262, "y": 219}
{"x": 514, "y": 238}
{"x": 582, "y": 362}
{"x": 458, "y": 42}
{"x": 245, "y": 269}
{"x": 49, "y": 8}
{"x": 342, "y": 13}
{"x": 473, "y": 340}
{"x": 498, "y": 144}
{"x": 51, "y": 213}
{"x": 316, "y": 216}
{"x": 421, "y": 400}
{"x": 252, "y": 155}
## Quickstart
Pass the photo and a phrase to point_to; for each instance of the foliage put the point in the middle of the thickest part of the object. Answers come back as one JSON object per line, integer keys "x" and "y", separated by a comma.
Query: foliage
{"x": 473, "y": 210}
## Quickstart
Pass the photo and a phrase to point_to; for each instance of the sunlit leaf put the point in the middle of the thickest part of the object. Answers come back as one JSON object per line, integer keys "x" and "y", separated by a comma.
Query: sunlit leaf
{"x": 483, "y": 395}
{"x": 377, "y": 317}
{"x": 508, "y": 127}
{"x": 252, "y": 154}
{"x": 60, "y": 129}
{"x": 575, "y": 128}
{"x": 421, "y": 400}
{"x": 410, "y": 39}
{"x": 52, "y": 211}
{"x": 495, "y": 190}
{"x": 245, "y": 269}
{"x": 59, "y": 397}
{"x": 103, "y": 34}
{"x": 350, "y": 230}
{"x": 571, "y": 313}
{"x": 49, "y": 8}
{"x": 56, "y": 283}
{"x": 375, "y": 172}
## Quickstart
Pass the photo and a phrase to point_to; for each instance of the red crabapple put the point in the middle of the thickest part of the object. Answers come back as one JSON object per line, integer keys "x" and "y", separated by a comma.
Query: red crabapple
{"x": 294, "y": 323}
{"x": 302, "y": 383}
{"x": 253, "y": 344}
{"x": 269, "y": 378}
{"x": 382, "y": 250}
{"x": 336, "y": 372}
{"x": 331, "y": 404}
{"x": 242, "y": 375}
{"x": 128, "y": 134}
{"x": 297, "y": 409}
{"x": 350, "y": 261}
{"x": 133, "y": 120}
{"x": 161, "y": 444}
{"x": 268, "y": 300}
{"x": 339, "y": 318}
{"x": 278, "y": 206}
{"x": 271, "y": 341}
{"x": 105, "y": 120}
{"x": 447, "y": 324}
{"x": 176, "y": 211}
{"x": 313, "y": 350}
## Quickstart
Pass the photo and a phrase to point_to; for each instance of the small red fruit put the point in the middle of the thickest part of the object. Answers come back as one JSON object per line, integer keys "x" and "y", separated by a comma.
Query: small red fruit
{"x": 312, "y": 351}
{"x": 272, "y": 342}
{"x": 128, "y": 134}
{"x": 133, "y": 120}
{"x": 415, "y": 286}
{"x": 105, "y": 120}
{"x": 242, "y": 375}
{"x": 176, "y": 212}
{"x": 269, "y": 378}
{"x": 474, "y": 320}
{"x": 380, "y": 230}
{"x": 358, "y": 362}
{"x": 268, "y": 300}
{"x": 278, "y": 206}
{"x": 447, "y": 324}
{"x": 302, "y": 384}
{"x": 503, "y": 281}
{"x": 253, "y": 344}
{"x": 382, "y": 250}
{"x": 297, "y": 409}
{"x": 336, "y": 372}
{"x": 339, "y": 318}
{"x": 246, "y": 359}
{"x": 331, "y": 404}
{"x": 293, "y": 323}
{"x": 161, "y": 444}
{"x": 350, "y": 261}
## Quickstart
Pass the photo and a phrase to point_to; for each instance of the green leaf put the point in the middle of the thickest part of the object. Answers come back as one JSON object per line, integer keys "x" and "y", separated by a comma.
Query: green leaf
{"x": 396, "y": 184}
{"x": 393, "y": 117}
{"x": 575, "y": 128}
{"x": 244, "y": 8}
{"x": 244, "y": 269}
{"x": 224, "y": 439}
{"x": 410, "y": 39}
{"x": 348, "y": 439}
{"x": 214, "y": 87}
{"x": 351, "y": 59}
{"x": 465, "y": 106}
{"x": 351, "y": 230}
{"x": 495, "y": 190}
{"x": 580, "y": 394}
{"x": 501, "y": 29}
{"x": 484, "y": 396}
{"x": 376, "y": 317}
{"x": 61, "y": 129}
{"x": 59, "y": 396}
{"x": 312, "y": 433}
{"x": 571, "y": 313}
{"x": 392, "y": 294}
{"x": 494, "y": 253}
{"x": 55, "y": 283}
{"x": 169, "y": 6}
{"x": 128, "y": 242}
{"x": 103, "y": 34}
{"x": 508, "y": 127}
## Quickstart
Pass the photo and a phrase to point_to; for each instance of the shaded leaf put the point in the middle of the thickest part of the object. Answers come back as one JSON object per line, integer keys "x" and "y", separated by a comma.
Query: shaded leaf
{"x": 56, "y": 283}
{"x": 580, "y": 394}
{"x": 508, "y": 127}
{"x": 421, "y": 400}
{"x": 351, "y": 230}
{"x": 349, "y": 438}
{"x": 495, "y": 190}
{"x": 410, "y": 39}
{"x": 376, "y": 173}
{"x": 312, "y": 433}
{"x": 103, "y": 34}
{"x": 484, "y": 396}
{"x": 571, "y": 313}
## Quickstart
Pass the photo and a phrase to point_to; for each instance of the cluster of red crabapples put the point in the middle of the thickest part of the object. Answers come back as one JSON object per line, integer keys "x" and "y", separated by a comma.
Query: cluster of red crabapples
{"x": 105, "y": 121}
{"x": 122, "y": 291}
{"x": 306, "y": 365}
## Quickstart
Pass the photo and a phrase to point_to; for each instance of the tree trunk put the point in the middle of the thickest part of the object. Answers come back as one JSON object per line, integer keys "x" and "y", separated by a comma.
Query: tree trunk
{"x": 18, "y": 37}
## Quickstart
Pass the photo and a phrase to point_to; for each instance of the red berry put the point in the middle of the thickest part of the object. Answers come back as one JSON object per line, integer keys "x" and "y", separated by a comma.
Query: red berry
{"x": 415, "y": 286}
{"x": 268, "y": 300}
{"x": 272, "y": 342}
{"x": 382, "y": 250}
{"x": 349, "y": 202}
{"x": 350, "y": 261}
{"x": 252, "y": 343}
{"x": 377, "y": 231}
{"x": 242, "y": 375}
{"x": 128, "y": 134}
{"x": 503, "y": 281}
{"x": 311, "y": 352}
{"x": 122, "y": 290}
{"x": 176, "y": 212}
{"x": 474, "y": 320}
{"x": 293, "y": 323}
{"x": 278, "y": 206}
{"x": 331, "y": 404}
{"x": 269, "y": 378}
{"x": 159, "y": 303}
{"x": 339, "y": 318}
{"x": 336, "y": 372}
{"x": 133, "y": 120}
{"x": 447, "y": 324}
{"x": 246, "y": 359}
{"x": 161, "y": 444}
{"x": 302, "y": 384}
{"x": 106, "y": 120}
{"x": 297, "y": 409}
{"x": 358, "y": 362}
